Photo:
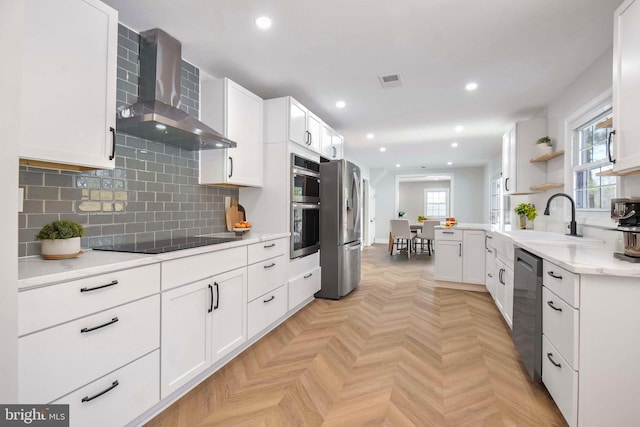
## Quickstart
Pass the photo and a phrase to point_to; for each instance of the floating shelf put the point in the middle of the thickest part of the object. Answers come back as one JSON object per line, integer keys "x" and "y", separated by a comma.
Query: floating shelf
{"x": 614, "y": 173}
{"x": 606, "y": 124}
{"x": 544, "y": 187}
{"x": 547, "y": 156}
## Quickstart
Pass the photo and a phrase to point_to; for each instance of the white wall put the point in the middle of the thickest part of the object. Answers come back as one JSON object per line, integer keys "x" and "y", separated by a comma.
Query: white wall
{"x": 411, "y": 196}
{"x": 11, "y": 21}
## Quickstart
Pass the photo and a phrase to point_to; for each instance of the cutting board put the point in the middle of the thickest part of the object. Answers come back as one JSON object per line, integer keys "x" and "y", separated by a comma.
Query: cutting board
{"x": 233, "y": 215}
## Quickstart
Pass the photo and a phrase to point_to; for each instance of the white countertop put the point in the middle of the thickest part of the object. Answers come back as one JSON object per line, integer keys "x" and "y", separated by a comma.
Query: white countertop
{"x": 34, "y": 271}
{"x": 466, "y": 226}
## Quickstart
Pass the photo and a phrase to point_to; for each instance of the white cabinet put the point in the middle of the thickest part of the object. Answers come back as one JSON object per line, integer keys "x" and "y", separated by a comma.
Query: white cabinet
{"x": 266, "y": 309}
{"x": 229, "y": 315}
{"x": 518, "y": 173}
{"x": 297, "y": 125}
{"x": 314, "y": 129}
{"x": 68, "y": 107}
{"x": 491, "y": 279}
{"x": 237, "y": 114}
{"x": 330, "y": 143}
{"x": 473, "y": 254}
{"x": 304, "y": 280}
{"x": 626, "y": 86}
{"x": 448, "y": 260}
{"x": 460, "y": 256}
{"x": 505, "y": 282}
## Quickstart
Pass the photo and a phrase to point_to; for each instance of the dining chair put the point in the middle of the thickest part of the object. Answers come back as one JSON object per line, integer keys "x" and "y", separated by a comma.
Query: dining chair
{"x": 428, "y": 233}
{"x": 401, "y": 235}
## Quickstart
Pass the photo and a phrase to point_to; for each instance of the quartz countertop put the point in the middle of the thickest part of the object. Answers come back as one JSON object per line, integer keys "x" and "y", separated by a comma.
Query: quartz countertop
{"x": 34, "y": 271}
{"x": 466, "y": 226}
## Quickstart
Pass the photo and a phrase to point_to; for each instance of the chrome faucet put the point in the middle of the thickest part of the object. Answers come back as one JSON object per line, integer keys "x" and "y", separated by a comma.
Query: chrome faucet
{"x": 572, "y": 225}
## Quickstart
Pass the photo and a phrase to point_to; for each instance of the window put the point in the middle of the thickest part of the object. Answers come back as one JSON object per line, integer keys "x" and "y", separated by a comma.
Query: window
{"x": 436, "y": 202}
{"x": 591, "y": 190}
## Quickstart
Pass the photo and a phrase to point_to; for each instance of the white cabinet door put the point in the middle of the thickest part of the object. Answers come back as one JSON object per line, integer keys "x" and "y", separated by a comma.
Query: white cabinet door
{"x": 517, "y": 150}
{"x": 69, "y": 83}
{"x": 507, "y": 277}
{"x": 298, "y": 122}
{"x": 186, "y": 334}
{"x": 508, "y": 161}
{"x": 337, "y": 147}
{"x": 473, "y": 253}
{"x": 326, "y": 141}
{"x": 228, "y": 323}
{"x": 314, "y": 128}
{"x": 237, "y": 114}
{"x": 448, "y": 260}
{"x": 626, "y": 86}
{"x": 490, "y": 271}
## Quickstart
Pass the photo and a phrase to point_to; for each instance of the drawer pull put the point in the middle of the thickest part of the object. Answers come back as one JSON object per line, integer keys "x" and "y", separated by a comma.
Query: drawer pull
{"x": 270, "y": 299}
{"x": 115, "y": 282}
{"x": 210, "y": 309}
{"x": 490, "y": 275}
{"x": 550, "y": 357}
{"x": 273, "y": 264}
{"x": 550, "y": 273}
{"x": 106, "y": 390}
{"x": 215, "y": 307}
{"x": 308, "y": 275}
{"x": 111, "y": 322}
{"x": 269, "y": 246}
{"x": 448, "y": 232}
{"x": 550, "y": 304}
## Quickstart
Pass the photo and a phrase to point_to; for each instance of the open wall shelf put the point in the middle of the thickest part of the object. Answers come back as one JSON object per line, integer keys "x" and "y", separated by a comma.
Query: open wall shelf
{"x": 547, "y": 156}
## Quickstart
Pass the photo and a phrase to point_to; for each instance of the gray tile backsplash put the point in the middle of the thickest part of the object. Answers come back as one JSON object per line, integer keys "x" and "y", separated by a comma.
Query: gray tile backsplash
{"x": 152, "y": 193}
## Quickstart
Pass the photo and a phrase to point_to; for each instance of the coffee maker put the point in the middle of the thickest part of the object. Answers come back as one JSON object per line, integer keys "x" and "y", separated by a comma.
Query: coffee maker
{"x": 627, "y": 212}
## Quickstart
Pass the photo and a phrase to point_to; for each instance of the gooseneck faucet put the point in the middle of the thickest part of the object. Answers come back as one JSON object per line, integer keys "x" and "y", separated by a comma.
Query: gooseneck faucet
{"x": 572, "y": 225}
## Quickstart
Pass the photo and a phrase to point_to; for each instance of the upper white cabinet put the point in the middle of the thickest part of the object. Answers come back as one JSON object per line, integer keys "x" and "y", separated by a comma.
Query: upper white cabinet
{"x": 236, "y": 113}
{"x": 68, "y": 85}
{"x": 288, "y": 120}
{"x": 518, "y": 173}
{"x": 626, "y": 87}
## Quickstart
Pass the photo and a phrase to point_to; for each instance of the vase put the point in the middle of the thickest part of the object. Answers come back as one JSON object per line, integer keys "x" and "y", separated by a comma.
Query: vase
{"x": 52, "y": 248}
{"x": 542, "y": 149}
{"x": 523, "y": 222}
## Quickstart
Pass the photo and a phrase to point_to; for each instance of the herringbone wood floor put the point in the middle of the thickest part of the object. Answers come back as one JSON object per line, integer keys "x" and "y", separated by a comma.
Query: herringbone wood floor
{"x": 398, "y": 351}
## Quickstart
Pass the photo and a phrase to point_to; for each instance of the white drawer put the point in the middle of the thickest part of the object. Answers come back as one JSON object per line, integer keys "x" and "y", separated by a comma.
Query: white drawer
{"x": 562, "y": 282}
{"x": 267, "y": 275}
{"x": 304, "y": 287}
{"x": 137, "y": 389}
{"x": 302, "y": 265}
{"x": 260, "y": 251}
{"x": 448, "y": 234}
{"x": 560, "y": 323}
{"x": 267, "y": 309}
{"x": 51, "y": 305}
{"x": 57, "y": 360}
{"x": 189, "y": 269}
{"x": 561, "y": 381}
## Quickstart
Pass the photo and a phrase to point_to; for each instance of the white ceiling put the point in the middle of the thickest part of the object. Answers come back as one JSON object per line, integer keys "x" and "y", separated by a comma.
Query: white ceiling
{"x": 522, "y": 53}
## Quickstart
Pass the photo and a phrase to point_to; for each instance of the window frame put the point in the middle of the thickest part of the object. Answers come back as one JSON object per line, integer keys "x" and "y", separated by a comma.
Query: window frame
{"x": 447, "y": 202}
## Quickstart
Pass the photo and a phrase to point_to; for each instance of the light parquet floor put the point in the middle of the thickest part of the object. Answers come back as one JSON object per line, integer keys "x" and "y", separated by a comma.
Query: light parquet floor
{"x": 399, "y": 351}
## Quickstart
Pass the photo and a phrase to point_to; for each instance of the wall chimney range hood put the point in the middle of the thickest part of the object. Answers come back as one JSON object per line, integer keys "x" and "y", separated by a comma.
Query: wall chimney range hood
{"x": 157, "y": 116}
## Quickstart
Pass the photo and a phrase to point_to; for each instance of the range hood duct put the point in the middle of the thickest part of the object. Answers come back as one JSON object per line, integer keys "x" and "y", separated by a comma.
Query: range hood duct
{"x": 157, "y": 116}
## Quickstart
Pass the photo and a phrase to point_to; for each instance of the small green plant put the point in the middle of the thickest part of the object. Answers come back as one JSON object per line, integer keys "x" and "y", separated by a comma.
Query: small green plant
{"x": 401, "y": 214}
{"x": 544, "y": 140}
{"x": 526, "y": 209}
{"x": 422, "y": 218}
{"x": 63, "y": 229}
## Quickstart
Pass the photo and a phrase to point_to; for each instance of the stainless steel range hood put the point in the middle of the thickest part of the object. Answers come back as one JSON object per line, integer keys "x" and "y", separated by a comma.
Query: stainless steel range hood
{"x": 157, "y": 116}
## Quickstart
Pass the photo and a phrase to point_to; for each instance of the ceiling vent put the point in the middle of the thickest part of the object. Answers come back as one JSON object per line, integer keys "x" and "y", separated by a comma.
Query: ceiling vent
{"x": 390, "y": 81}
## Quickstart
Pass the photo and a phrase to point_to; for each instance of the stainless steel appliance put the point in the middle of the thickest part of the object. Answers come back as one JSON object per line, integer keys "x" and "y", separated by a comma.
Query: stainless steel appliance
{"x": 305, "y": 208}
{"x": 627, "y": 213}
{"x": 527, "y": 311}
{"x": 340, "y": 212}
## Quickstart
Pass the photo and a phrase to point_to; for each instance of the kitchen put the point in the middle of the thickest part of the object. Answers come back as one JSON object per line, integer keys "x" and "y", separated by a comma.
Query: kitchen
{"x": 590, "y": 84}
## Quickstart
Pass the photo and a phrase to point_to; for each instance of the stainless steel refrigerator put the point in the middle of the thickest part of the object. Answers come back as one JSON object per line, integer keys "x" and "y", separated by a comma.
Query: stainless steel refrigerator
{"x": 340, "y": 221}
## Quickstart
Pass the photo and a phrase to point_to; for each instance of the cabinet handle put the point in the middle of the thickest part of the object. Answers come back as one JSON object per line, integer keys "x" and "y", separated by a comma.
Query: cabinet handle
{"x": 308, "y": 275}
{"x": 230, "y": 166}
{"x": 273, "y": 264}
{"x": 550, "y": 357}
{"x": 113, "y": 143}
{"x": 460, "y": 250}
{"x": 506, "y": 184}
{"x": 500, "y": 274}
{"x": 215, "y": 307}
{"x": 490, "y": 251}
{"x": 447, "y": 232}
{"x": 210, "y": 309}
{"x": 489, "y": 274}
{"x": 612, "y": 160}
{"x": 106, "y": 390}
{"x": 550, "y": 273}
{"x": 550, "y": 304}
{"x": 269, "y": 246}
{"x": 111, "y": 322}
{"x": 115, "y": 282}
{"x": 335, "y": 152}
{"x": 270, "y": 299}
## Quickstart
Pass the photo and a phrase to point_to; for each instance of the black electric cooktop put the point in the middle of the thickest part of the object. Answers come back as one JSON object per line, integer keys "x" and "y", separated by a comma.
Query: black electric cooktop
{"x": 162, "y": 246}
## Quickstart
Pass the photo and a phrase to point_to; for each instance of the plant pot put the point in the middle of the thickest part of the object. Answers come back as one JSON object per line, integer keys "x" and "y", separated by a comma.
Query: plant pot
{"x": 541, "y": 150}
{"x": 523, "y": 222}
{"x": 60, "y": 248}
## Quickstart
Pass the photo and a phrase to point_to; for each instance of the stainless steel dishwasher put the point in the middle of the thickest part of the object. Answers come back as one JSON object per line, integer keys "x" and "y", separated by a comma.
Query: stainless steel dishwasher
{"x": 527, "y": 311}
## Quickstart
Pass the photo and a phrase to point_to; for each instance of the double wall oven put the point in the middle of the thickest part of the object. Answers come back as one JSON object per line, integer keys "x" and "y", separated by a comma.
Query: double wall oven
{"x": 305, "y": 206}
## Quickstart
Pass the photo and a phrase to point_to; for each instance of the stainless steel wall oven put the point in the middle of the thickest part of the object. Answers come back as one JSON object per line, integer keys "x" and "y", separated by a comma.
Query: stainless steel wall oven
{"x": 305, "y": 206}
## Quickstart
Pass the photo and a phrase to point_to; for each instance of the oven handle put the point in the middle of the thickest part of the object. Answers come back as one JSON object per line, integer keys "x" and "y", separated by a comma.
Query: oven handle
{"x": 297, "y": 170}
{"x": 306, "y": 205}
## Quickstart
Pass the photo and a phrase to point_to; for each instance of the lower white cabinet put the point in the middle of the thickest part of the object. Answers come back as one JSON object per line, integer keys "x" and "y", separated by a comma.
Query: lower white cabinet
{"x": 490, "y": 271}
{"x": 460, "y": 256}
{"x": 561, "y": 381}
{"x": 473, "y": 254}
{"x": 504, "y": 293}
{"x": 116, "y": 398}
{"x": 266, "y": 309}
{"x": 229, "y": 316}
{"x": 304, "y": 287}
{"x": 448, "y": 260}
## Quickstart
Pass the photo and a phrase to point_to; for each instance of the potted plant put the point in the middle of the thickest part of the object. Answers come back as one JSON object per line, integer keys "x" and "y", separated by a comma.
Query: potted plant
{"x": 401, "y": 214}
{"x": 422, "y": 218}
{"x": 60, "y": 239}
{"x": 526, "y": 211}
{"x": 543, "y": 146}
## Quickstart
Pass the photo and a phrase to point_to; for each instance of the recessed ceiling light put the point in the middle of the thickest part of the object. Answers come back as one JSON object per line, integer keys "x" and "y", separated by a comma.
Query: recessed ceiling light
{"x": 341, "y": 104}
{"x": 263, "y": 22}
{"x": 370, "y": 136}
{"x": 383, "y": 149}
{"x": 471, "y": 86}
{"x": 397, "y": 165}
{"x": 449, "y": 163}
{"x": 160, "y": 126}
{"x": 454, "y": 144}
{"x": 459, "y": 128}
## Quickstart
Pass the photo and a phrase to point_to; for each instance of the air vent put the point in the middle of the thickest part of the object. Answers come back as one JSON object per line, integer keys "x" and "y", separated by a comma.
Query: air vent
{"x": 390, "y": 81}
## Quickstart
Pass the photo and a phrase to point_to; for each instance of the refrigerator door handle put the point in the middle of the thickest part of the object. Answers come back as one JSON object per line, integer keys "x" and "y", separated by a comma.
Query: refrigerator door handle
{"x": 354, "y": 246}
{"x": 356, "y": 201}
